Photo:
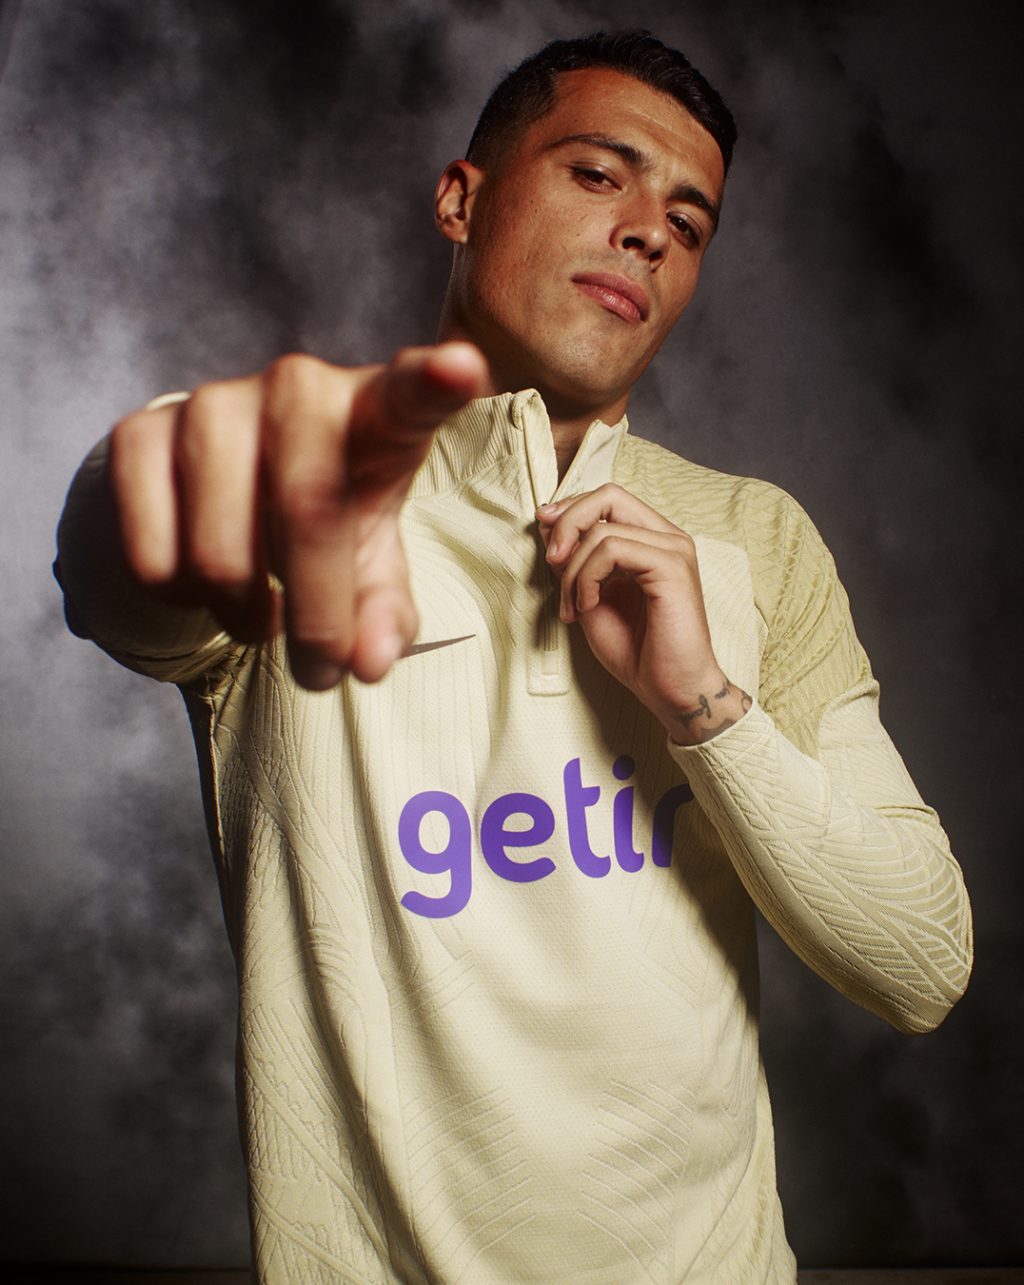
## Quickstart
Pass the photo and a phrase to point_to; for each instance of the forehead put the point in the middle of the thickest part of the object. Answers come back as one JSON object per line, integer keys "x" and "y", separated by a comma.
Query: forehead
{"x": 598, "y": 100}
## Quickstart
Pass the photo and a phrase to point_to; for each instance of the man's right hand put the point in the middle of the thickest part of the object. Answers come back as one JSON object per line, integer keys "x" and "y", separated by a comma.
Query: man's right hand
{"x": 302, "y": 471}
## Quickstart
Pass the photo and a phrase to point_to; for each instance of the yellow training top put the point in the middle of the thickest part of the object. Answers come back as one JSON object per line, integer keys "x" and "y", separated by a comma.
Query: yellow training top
{"x": 495, "y": 938}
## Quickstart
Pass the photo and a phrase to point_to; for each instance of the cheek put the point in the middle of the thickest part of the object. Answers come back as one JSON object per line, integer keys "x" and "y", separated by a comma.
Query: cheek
{"x": 683, "y": 287}
{"x": 515, "y": 272}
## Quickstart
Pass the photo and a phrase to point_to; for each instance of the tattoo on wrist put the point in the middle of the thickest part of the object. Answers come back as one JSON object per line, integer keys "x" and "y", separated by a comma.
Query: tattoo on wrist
{"x": 700, "y": 723}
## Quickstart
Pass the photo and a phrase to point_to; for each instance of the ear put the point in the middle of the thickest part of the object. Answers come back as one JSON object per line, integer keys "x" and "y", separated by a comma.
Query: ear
{"x": 453, "y": 200}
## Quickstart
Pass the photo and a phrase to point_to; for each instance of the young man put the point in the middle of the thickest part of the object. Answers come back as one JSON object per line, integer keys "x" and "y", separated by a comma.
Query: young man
{"x": 508, "y": 718}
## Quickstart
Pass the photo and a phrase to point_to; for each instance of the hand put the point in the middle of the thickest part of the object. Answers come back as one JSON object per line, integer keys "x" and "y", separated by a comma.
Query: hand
{"x": 301, "y": 470}
{"x": 630, "y": 578}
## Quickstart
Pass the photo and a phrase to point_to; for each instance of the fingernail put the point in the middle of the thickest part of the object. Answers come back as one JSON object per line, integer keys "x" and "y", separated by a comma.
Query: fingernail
{"x": 316, "y": 675}
{"x": 543, "y": 510}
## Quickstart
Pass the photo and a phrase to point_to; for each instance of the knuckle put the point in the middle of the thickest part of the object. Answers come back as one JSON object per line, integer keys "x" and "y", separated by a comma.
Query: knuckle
{"x": 611, "y": 492}
{"x": 568, "y": 524}
{"x": 203, "y": 426}
{"x": 211, "y": 399}
{"x": 216, "y": 429}
{"x": 212, "y": 413}
{"x": 129, "y": 436}
{"x": 596, "y": 534}
{"x": 308, "y": 504}
{"x": 293, "y": 375}
{"x": 128, "y": 428}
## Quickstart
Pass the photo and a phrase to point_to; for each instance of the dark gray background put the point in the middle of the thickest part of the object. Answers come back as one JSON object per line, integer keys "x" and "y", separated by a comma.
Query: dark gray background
{"x": 188, "y": 189}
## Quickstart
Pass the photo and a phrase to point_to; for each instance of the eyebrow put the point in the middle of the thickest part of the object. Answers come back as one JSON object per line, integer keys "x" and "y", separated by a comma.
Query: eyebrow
{"x": 642, "y": 163}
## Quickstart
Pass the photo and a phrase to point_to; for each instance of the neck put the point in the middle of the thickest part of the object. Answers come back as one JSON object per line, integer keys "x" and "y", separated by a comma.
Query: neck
{"x": 569, "y": 425}
{"x": 570, "y": 415}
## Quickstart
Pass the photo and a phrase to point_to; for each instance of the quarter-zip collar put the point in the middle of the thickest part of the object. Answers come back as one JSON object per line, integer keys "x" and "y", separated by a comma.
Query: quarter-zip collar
{"x": 491, "y": 429}
{"x": 501, "y": 451}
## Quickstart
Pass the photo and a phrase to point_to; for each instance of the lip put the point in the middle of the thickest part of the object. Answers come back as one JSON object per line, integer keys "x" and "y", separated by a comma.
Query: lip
{"x": 616, "y": 293}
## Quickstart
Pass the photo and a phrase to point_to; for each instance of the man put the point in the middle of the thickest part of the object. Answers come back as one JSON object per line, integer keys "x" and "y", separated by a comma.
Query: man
{"x": 507, "y": 718}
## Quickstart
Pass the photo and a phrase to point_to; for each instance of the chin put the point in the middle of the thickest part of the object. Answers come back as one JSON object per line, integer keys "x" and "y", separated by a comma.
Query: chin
{"x": 583, "y": 365}
{"x": 589, "y": 385}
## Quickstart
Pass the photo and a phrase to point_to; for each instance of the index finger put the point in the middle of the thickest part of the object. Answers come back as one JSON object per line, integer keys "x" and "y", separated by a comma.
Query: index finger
{"x": 342, "y": 446}
{"x": 394, "y": 412}
{"x": 567, "y": 520}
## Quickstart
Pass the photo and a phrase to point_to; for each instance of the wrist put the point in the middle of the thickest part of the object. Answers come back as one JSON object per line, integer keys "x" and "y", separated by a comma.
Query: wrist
{"x": 705, "y": 712}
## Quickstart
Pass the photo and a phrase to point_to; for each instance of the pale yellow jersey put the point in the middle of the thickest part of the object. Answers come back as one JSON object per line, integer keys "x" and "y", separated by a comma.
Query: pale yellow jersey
{"x": 495, "y": 937}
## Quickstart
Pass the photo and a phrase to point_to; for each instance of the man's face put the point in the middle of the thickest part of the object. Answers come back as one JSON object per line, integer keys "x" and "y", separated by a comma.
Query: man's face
{"x": 582, "y": 247}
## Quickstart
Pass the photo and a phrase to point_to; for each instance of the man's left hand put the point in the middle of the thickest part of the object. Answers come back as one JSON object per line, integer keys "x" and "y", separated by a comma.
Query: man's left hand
{"x": 631, "y": 580}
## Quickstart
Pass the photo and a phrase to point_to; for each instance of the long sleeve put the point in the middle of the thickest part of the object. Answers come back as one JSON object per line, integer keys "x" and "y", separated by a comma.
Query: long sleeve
{"x": 816, "y": 809}
{"x": 103, "y": 603}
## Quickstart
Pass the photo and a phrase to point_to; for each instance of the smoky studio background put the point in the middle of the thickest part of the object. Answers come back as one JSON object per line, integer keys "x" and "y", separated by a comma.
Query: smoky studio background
{"x": 188, "y": 190}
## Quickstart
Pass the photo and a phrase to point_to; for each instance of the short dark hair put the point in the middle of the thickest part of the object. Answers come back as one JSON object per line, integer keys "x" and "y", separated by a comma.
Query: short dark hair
{"x": 528, "y": 91}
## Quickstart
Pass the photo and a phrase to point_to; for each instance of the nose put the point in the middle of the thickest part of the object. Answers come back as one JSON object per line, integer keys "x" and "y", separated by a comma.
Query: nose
{"x": 643, "y": 230}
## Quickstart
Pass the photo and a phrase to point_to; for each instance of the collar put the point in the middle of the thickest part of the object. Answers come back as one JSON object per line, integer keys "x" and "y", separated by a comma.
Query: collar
{"x": 489, "y": 430}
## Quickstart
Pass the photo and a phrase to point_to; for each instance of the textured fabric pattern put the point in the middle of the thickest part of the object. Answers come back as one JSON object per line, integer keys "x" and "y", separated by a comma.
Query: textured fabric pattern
{"x": 495, "y": 943}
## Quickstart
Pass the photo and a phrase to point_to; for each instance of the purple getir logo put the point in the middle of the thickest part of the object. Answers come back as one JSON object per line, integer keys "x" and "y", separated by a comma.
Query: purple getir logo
{"x": 455, "y": 859}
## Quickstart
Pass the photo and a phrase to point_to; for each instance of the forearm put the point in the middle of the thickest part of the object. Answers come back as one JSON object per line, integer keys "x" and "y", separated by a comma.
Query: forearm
{"x": 844, "y": 860}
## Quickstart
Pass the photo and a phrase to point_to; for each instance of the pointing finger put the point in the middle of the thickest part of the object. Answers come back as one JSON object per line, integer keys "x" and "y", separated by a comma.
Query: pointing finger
{"x": 341, "y": 448}
{"x": 394, "y": 410}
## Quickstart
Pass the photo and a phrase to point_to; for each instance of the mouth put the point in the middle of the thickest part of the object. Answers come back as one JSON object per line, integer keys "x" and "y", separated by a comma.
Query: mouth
{"x": 617, "y": 294}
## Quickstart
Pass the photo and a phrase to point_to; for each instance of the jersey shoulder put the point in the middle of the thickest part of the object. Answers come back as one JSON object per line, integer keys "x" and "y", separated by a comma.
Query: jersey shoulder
{"x": 705, "y": 501}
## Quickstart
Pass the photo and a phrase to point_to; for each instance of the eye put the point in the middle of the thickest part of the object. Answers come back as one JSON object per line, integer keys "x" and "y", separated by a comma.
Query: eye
{"x": 594, "y": 179}
{"x": 686, "y": 228}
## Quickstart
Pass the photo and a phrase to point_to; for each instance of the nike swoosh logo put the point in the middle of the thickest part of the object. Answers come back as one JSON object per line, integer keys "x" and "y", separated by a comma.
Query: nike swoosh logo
{"x": 417, "y": 648}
